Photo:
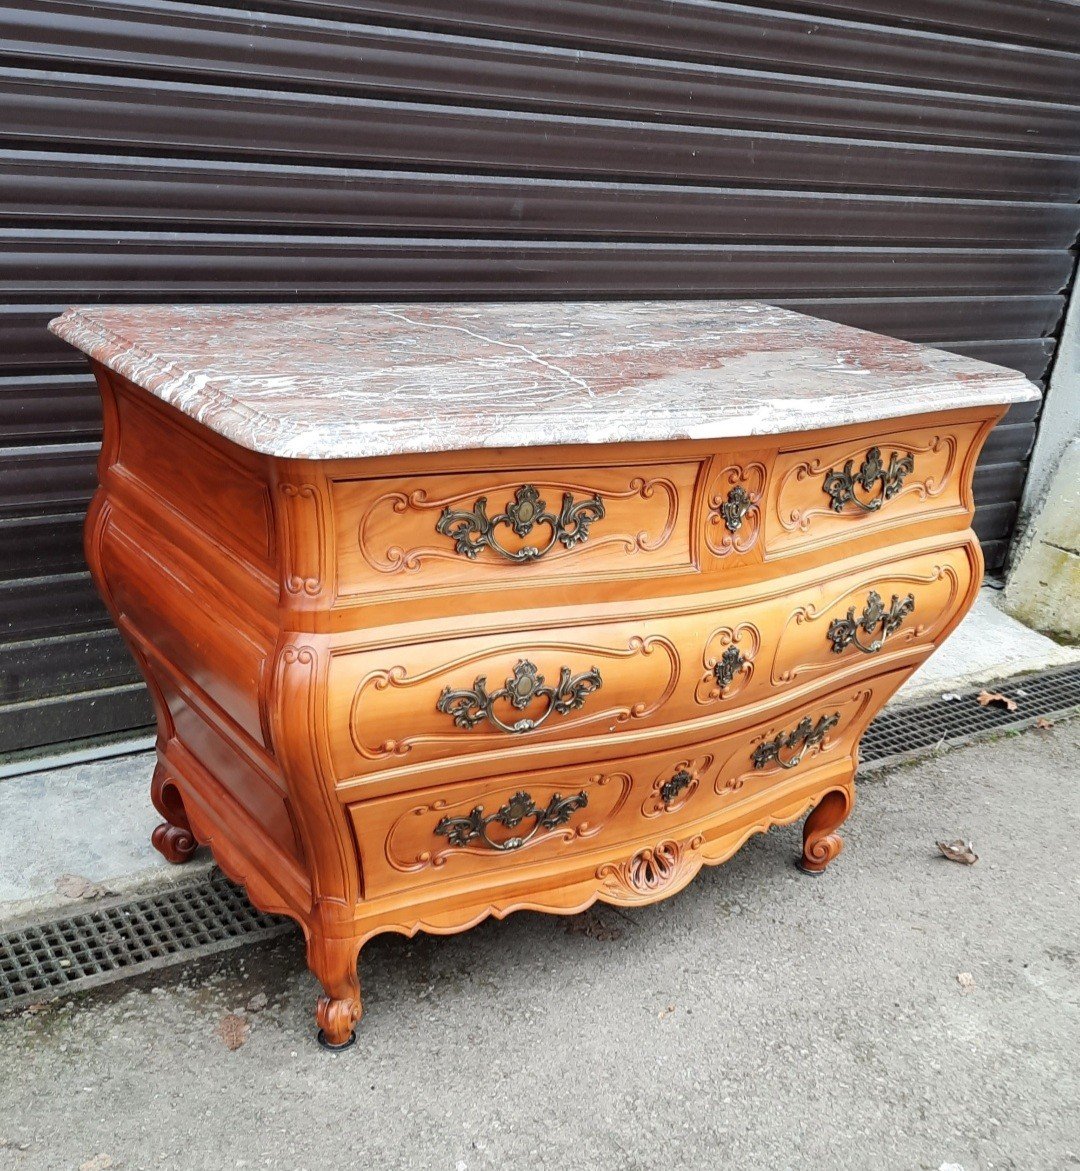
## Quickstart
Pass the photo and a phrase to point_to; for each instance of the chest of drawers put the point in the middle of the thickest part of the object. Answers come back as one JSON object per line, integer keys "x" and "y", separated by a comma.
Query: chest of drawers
{"x": 449, "y": 611}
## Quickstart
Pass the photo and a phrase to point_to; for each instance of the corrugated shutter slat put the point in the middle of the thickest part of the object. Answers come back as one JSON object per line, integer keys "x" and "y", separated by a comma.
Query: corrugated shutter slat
{"x": 912, "y": 169}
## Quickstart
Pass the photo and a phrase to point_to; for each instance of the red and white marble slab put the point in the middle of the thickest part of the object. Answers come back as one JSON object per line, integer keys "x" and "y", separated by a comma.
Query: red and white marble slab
{"x": 346, "y": 381}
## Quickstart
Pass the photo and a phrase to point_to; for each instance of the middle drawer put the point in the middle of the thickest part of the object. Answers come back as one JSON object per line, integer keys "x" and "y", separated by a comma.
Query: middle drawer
{"x": 484, "y": 700}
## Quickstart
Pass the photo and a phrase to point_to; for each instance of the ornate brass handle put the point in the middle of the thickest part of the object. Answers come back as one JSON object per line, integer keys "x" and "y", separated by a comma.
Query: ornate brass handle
{"x": 733, "y": 510}
{"x": 473, "y": 531}
{"x": 463, "y": 830}
{"x": 731, "y": 662}
{"x": 471, "y": 706}
{"x": 804, "y": 736}
{"x": 841, "y": 485}
{"x": 671, "y": 789}
{"x": 844, "y": 632}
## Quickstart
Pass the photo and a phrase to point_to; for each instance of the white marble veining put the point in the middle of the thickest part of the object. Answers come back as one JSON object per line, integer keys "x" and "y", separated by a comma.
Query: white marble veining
{"x": 344, "y": 381}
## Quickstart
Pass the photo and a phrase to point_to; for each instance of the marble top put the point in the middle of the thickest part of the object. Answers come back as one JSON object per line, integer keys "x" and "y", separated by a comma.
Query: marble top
{"x": 333, "y": 381}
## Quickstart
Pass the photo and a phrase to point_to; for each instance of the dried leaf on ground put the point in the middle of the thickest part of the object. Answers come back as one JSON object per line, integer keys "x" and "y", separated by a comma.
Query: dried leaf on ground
{"x": 1042, "y": 723}
{"x": 985, "y": 698}
{"x": 966, "y": 981}
{"x": 97, "y": 1163}
{"x": 594, "y": 927}
{"x": 959, "y": 851}
{"x": 233, "y": 1030}
{"x": 74, "y": 886}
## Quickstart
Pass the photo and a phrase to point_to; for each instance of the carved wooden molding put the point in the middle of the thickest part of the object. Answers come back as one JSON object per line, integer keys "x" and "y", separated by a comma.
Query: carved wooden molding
{"x": 740, "y": 768}
{"x": 674, "y": 787}
{"x": 398, "y": 677}
{"x": 602, "y": 808}
{"x": 799, "y": 519}
{"x": 809, "y": 613}
{"x": 652, "y": 873}
{"x": 728, "y": 660}
{"x": 296, "y": 698}
{"x": 396, "y": 559}
{"x": 734, "y": 519}
{"x": 303, "y": 565}
{"x": 714, "y": 851}
{"x": 466, "y": 828}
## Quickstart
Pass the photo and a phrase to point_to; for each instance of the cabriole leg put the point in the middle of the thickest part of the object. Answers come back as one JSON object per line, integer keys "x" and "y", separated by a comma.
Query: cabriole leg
{"x": 821, "y": 842}
{"x": 172, "y": 839}
{"x": 333, "y": 962}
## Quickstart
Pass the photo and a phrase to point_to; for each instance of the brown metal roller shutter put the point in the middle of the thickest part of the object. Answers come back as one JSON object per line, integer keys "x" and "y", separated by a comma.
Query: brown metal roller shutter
{"x": 912, "y": 168}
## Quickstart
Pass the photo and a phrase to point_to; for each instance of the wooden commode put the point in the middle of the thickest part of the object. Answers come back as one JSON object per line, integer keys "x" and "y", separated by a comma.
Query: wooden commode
{"x": 451, "y": 610}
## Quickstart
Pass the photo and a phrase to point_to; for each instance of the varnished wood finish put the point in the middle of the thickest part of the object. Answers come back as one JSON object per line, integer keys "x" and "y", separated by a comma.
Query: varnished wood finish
{"x": 297, "y": 622}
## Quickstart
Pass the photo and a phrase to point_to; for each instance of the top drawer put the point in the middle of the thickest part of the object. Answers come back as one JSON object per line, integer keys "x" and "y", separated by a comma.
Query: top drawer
{"x": 484, "y": 530}
{"x": 821, "y": 494}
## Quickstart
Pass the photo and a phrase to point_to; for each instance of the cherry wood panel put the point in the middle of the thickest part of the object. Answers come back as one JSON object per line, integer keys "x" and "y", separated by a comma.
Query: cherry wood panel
{"x": 299, "y": 730}
{"x": 801, "y": 512}
{"x": 231, "y": 677}
{"x": 388, "y": 541}
{"x": 623, "y": 801}
{"x": 175, "y": 464}
{"x": 660, "y": 670}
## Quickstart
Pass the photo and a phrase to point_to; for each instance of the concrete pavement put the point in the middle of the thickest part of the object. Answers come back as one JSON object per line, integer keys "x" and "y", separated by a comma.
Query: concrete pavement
{"x": 757, "y": 1020}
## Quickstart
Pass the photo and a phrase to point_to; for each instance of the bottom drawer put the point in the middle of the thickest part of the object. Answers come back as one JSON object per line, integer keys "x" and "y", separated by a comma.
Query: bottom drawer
{"x": 479, "y": 829}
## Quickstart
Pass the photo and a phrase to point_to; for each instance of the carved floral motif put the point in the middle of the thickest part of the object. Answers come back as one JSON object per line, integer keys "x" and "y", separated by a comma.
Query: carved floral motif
{"x": 653, "y": 872}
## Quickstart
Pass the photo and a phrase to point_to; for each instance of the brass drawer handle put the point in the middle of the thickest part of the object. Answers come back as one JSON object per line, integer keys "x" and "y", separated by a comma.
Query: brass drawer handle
{"x": 804, "y": 736}
{"x": 473, "y": 531}
{"x": 730, "y": 663}
{"x": 671, "y": 788}
{"x": 734, "y": 509}
{"x": 471, "y": 706}
{"x": 844, "y": 632}
{"x": 463, "y": 830}
{"x": 841, "y": 485}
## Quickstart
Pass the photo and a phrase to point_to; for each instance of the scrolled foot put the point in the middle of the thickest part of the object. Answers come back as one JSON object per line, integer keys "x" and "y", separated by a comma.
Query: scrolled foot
{"x": 817, "y": 856}
{"x": 333, "y": 962}
{"x": 173, "y": 842}
{"x": 821, "y": 842}
{"x": 336, "y": 1019}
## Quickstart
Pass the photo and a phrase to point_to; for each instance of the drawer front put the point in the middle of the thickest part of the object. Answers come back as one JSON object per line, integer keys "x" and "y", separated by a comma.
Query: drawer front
{"x": 478, "y": 828}
{"x": 485, "y": 701}
{"x": 483, "y": 531}
{"x": 822, "y": 495}
{"x": 502, "y": 695}
{"x": 873, "y": 615}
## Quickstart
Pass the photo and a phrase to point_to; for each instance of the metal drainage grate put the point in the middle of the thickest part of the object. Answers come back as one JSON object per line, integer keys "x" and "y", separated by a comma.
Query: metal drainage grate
{"x": 45, "y": 960}
{"x": 911, "y": 729}
{"x": 116, "y": 940}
